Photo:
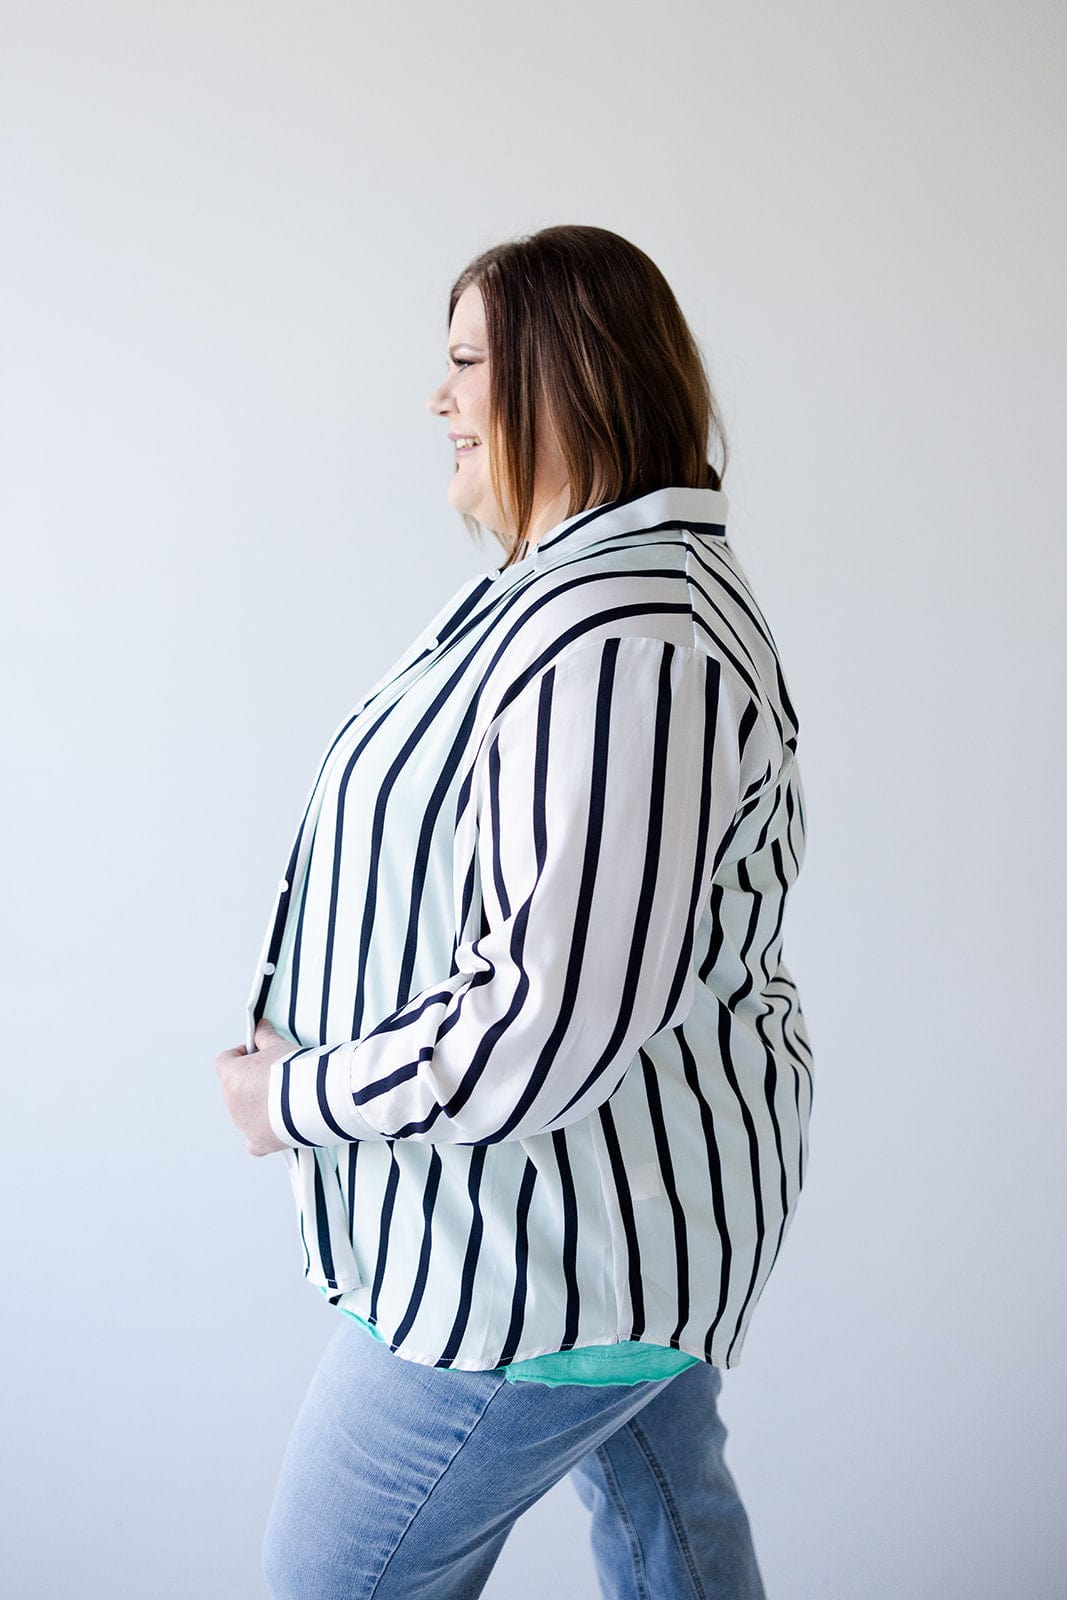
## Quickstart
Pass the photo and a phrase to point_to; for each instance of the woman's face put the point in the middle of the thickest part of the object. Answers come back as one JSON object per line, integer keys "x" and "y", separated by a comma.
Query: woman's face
{"x": 463, "y": 401}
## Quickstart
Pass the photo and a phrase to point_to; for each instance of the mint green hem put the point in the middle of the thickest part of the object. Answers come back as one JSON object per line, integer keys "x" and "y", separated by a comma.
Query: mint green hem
{"x": 631, "y": 1361}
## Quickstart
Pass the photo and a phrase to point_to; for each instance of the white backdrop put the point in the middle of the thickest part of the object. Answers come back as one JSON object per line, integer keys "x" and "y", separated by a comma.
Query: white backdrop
{"x": 229, "y": 232}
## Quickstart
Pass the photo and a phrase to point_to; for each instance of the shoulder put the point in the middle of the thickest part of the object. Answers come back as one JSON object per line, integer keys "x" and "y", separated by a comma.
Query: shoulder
{"x": 674, "y": 619}
{"x": 636, "y": 612}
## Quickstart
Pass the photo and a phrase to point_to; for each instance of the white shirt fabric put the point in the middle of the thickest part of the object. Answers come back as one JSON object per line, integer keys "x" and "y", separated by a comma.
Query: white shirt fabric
{"x": 550, "y": 1081}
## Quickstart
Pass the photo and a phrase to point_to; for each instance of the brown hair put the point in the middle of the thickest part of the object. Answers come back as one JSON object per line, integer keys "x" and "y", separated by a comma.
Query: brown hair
{"x": 583, "y": 323}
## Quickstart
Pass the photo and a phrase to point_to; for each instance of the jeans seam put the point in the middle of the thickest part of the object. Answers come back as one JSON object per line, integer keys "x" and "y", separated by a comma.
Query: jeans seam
{"x": 641, "y": 1440}
{"x": 429, "y": 1493}
{"x": 625, "y": 1518}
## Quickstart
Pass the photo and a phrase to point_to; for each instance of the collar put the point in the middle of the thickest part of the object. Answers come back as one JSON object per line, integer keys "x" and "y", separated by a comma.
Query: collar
{"x": 675, "y": 506}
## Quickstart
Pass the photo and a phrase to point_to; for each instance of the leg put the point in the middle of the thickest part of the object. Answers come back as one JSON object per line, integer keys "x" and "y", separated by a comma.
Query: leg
{"x": 667, "y": 1520}
{"x": 401, "y": 1480}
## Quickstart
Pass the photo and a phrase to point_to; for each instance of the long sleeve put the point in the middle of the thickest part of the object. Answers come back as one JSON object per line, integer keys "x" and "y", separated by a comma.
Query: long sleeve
{"x": 603, "y": 795}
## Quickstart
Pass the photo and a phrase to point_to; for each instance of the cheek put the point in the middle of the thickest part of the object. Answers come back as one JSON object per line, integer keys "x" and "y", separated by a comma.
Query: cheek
{"x": 478, "y": 399}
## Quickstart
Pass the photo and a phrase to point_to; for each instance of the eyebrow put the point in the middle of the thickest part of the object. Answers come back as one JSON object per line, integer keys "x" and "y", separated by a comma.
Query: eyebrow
{"x": 464, "y": 344}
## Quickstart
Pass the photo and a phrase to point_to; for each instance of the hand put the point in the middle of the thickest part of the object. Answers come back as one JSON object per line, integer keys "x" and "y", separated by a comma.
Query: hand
{"x": 245, "y": 1079}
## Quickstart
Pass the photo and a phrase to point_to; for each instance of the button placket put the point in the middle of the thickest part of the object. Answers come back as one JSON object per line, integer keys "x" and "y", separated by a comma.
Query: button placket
{"x": 265, "y": 968}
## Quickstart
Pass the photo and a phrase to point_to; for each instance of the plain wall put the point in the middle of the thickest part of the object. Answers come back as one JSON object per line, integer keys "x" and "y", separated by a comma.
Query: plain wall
{"x": 229, "y": 234}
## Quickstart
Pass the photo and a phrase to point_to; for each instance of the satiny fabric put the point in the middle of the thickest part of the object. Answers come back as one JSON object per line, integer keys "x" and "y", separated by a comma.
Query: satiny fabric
{"x": 551, "y": 1081}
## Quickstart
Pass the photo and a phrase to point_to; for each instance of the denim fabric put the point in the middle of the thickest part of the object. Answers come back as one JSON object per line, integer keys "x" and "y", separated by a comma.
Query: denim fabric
{"x": 403, "y": 1480}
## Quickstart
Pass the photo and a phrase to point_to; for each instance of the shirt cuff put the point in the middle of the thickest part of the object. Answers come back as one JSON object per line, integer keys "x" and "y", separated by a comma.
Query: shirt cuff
{"x": 309, "y": 1101}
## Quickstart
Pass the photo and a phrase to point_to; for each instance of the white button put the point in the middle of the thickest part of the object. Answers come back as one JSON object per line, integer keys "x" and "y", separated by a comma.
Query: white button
{"x": 431, "y": 644}
{"x": 283, "y": 884}
{"x": 268, "y": 968}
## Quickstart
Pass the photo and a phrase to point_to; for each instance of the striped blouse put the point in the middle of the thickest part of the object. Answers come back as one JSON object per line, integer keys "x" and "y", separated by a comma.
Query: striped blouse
{"x": 550, "y": 1081}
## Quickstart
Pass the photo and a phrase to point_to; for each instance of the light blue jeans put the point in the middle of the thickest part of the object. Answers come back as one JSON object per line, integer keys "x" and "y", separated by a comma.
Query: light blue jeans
{"x": 402, "y": 1481}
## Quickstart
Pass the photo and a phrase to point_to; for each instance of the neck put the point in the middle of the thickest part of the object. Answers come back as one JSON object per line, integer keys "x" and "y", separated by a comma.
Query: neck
{"x": 546, "y": 514}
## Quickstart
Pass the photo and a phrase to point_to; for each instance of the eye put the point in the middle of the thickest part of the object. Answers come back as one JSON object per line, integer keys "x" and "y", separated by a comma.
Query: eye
{"x": 456, "y": 363}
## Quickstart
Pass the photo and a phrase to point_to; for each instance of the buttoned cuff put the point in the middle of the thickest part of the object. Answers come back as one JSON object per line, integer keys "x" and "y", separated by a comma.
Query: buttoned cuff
{"x": 309, "y": 1101}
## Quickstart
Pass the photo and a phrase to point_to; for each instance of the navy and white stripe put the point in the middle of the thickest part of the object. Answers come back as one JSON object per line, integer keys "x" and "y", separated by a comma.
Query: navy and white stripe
{"x": 550, "y": 1081}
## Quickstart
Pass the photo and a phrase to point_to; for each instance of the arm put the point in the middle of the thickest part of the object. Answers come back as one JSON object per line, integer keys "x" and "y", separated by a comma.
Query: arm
{"x": 604, "y": 792}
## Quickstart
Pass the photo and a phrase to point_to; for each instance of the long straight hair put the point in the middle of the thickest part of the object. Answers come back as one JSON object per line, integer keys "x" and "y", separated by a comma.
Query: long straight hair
{"x": 583, "y": 328}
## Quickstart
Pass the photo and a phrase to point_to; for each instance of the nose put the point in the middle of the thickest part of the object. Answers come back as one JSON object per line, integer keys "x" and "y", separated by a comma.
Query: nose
{"x": 437, "y": 403}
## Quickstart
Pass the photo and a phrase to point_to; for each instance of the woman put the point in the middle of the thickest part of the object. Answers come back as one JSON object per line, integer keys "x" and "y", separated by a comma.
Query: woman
{"x": 521, "y": 1023}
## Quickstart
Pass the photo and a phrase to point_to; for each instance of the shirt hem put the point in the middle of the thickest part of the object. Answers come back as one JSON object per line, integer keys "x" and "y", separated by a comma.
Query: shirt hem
{"x": 424, "y": 1359}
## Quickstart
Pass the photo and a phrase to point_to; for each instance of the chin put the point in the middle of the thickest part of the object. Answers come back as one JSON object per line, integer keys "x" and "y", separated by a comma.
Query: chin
{"x": 462, "y": 500}
{"x": 459, "y": 501}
